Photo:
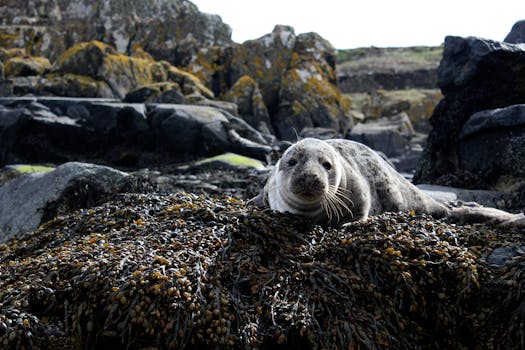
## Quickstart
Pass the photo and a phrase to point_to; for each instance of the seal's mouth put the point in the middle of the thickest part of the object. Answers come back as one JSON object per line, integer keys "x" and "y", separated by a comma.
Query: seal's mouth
{"x": 309, "y": 188}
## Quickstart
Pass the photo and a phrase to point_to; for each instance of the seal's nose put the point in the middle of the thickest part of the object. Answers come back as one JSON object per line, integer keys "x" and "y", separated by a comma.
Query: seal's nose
{"x": 308, "y": 185}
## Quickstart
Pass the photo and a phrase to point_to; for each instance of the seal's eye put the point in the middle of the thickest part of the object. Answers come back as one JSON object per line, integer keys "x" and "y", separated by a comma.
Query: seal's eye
{"x": 327, "y": 165}
{"x": 292, "y": 162}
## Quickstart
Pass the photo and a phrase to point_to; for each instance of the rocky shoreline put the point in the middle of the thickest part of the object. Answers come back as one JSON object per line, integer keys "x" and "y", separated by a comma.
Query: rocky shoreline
{"x": 131, "y": 140}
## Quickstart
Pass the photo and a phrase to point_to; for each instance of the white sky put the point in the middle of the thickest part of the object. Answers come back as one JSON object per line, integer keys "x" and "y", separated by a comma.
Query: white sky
{"x": 361, "y": 23}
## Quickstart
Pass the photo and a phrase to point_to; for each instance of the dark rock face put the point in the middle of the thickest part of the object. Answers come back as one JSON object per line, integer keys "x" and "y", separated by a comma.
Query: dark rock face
{"x": 57, "y": 130}
{"x": 160, "y": 27}
{"x": 474, "y": 75}
{"x": 32, "y": 199}
{"x": 517, "y": 33}
{"x": 492, "y": 143}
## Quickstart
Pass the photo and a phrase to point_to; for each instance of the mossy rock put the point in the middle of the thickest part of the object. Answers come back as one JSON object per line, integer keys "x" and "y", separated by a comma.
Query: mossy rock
{"x": 229, "y": 161}
{"x": 123, "y": 73}
{"x": 166, "y": 92}
{"x": 10, "y": 172}
{"x": 73, "y": 85}
{"x": 6, "y": 54}
{"x": 308, "y": 98}
{"x": 26, "y": 66}
{"x": 246, "y": 95}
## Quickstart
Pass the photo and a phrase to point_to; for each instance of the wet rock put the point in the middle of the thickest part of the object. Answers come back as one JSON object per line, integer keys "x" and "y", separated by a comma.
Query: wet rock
{"x": 32, "y": 199}
{"x": 475, "y": 75}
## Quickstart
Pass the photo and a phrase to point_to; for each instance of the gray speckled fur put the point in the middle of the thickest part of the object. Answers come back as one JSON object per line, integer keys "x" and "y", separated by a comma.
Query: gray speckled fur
{"x": 371, "y": 184}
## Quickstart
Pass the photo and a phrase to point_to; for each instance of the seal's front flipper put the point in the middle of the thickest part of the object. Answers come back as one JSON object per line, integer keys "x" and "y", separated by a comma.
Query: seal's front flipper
{"x": 257, "y": 200}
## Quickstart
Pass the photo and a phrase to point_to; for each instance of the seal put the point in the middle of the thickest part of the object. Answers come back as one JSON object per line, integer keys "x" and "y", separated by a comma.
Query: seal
{"x": 338, "y": 180}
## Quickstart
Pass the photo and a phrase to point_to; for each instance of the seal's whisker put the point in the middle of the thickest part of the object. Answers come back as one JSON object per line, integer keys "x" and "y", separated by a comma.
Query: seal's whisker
{"x": 337, "y": 198}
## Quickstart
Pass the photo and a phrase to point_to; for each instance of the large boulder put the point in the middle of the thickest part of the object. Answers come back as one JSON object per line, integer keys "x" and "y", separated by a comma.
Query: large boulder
{"x": 32, "y": 199}
{"x": 95, "y": 69}
{"x": 295, "y": 75}
{"x": 309, "y": 96}
{"x": 517, "y": 33}
{"x": 246, "y": 95}
{"x": 391, "y": 136}
{"x": 57, "y": 130}
{"x": 60, "y": 130}
{"x": 26, "y": 66}
{"x": 49, "y": 28}
{"x": 491, "y": 144}
{"x": 475, "y": 75}
{"x": 202, "y": 130}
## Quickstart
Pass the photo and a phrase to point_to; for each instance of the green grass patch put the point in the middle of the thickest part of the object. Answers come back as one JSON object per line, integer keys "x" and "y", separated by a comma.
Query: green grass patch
{"x": 25, "y": 169}
{"x": 235, "y": 160}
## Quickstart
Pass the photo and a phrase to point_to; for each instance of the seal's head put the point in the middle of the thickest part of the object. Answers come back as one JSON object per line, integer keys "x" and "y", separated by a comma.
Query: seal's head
{"x": 306, "y": 180}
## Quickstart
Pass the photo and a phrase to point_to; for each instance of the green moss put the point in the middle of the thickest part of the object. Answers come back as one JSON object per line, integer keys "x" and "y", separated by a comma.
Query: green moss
{"x": 235, "y": 160}
{"x": 26, "y": 169}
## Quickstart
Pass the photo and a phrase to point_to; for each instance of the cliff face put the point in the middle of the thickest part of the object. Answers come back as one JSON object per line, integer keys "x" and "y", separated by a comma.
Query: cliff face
{"x": 47, "y": 28}
{"x": 369, "y": 69}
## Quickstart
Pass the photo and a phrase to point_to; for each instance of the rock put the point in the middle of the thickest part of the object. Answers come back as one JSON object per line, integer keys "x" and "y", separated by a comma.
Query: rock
{"x": 516, "y": 34}
{"x": 32, "y": 199}
{"x": 318, "y": 133}
{"x": 368, "y": 69}
{"x": 60, "y": 130}
{"x": 475, "y": 75}
{"x": 246, "y": 95}
{"x": 308, "y": 96}
{"x": 57, "y": 130}
{"x": 101, "y": 62}
{"x": 494, "y": 199}
{"x": 6, "y": 88}
{"x": 159, "y": 28}
{"x": 418, "y": 104}
{"x": 491, "y": 145}
{"x": 501, "y": 255}
{"x": 94, "y": 69}
{"x": 230, "y": 161}
{"x": 200, "y": 130}
{"x": 295, "y": 76}
{"x": 70, "y": 85}
{"x": 390, "y": 136}
{"x": 26, "y": 66}
{"x": 370, "y": 281}
{"x": 156, "y": 93}
{"x": 10, "y": 172}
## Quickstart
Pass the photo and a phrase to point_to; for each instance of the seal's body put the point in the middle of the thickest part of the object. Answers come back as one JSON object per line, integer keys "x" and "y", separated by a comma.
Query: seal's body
{"x": 341, "y": 180}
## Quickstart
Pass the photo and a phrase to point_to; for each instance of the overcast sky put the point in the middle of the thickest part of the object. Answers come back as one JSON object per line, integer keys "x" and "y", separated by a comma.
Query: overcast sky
{"x": 382, "y": 23}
